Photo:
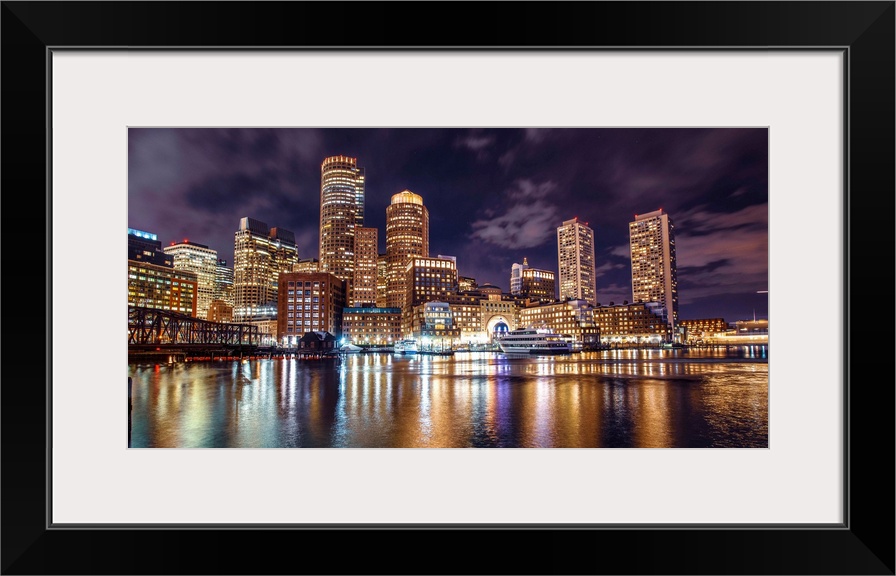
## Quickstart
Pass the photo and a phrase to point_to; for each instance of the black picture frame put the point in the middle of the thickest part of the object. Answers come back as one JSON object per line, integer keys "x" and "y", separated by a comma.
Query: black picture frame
{"x": 864, "y": 544}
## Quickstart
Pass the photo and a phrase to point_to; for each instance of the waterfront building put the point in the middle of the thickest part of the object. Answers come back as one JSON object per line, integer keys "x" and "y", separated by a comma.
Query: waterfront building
{"x": 632, "y": 324}
{"x": 220, "y": 311}
{"x": 163, "y": 287}
{"x": 371, "y": 325}
{"x": 745, "y": 332}
{"x": 432, "y": 325}
{"x": 364, "y": 284}
{"x": 407, "y": 235}
{"x": 146, "y": 247}
{"x": 654, "y": 273}
{"x": 575, "y": 257}
{"x": 466, "y": 313}
{"x": 309, "y": 302}
{"x": 341, "y": 212}
{"x": 466, "y": 283}
{"x": 224, "y": 282}
{"x": 572, "y": 318}
{"x": 427, "y": 280}
{"x": 202, "y": 261}
{"x": 382, "y": 281}
{"x": 261, "y": 254}
{"x": 498, "y": 312}
{"x": 316, "y": 342}
{"x": 699, "y": 330}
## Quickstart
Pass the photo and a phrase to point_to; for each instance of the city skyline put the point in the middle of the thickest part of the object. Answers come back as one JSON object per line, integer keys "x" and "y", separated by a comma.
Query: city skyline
{"x": 494, "y": 196}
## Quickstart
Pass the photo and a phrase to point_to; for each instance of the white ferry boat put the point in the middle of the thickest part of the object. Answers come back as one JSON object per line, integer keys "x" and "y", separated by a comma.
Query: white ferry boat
{"x": 406, "y": 347}
{"x": 534, "y": 341}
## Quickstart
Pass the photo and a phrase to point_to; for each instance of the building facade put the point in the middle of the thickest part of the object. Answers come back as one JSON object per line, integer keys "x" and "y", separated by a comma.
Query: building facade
{"x": 466, "y": 283}
{"x": 371, "y": 326}
{"x": 407, "y": 235}
{"x": 654, "y": 273}
{"x": 573, "y": 318}
{"x": 364, "y": 284}
{"x": 163, "y": 287}
{"x": 341, "y": 211}
{"x": 224, "y": 282}
{"x": 146, "y": 247}
{"x": 641, "y": 323}
{"x": 220, "y": 311}
{"x": 516, "y": 276}
{"x": 540, "y": 285}
{"x": 309, "y": 302}
{"x": 382, "y": 281}
{"x": 433, "y": 326}
{"x": 701, "y": 330}
{"x": 260, "y": 255}
{"x": 427, "y": 280}
{"x": 575, "y": 257}
{"x": 202, "y": 261}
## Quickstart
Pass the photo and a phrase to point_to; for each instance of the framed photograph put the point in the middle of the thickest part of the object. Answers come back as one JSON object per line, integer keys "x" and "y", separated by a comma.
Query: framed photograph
{"x": 104, "y": 99}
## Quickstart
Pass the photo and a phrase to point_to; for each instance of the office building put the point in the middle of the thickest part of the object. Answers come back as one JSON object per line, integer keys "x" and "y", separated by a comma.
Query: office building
{"x": 641, "y": 323}
{"x": 427, "y": 280}
{"x": 532, "y": 283}
{"x": 309, "y": 302}
{"x": 146, "y": 247}
{"x": 371, "y": 326}
{"x": 364, "y": 285}
{"x": 382, "y": 281}
{"x": 654, "y": 274}
{"x": 224, "y": 282}
{"x": 202, "y": 261}
{"x": 307, "y": 265}
{"x": 162, "y": 287}
{"x": 575, "y": 256}
{"x": 341, "y": 211}
{"x": 261, "y": 253}
{"x": 573, "y": 318}
{"x": 407, "y": 235}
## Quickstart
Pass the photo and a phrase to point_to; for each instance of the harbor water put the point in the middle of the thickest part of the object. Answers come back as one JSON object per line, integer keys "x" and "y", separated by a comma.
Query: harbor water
{"x": 678, "y": 398}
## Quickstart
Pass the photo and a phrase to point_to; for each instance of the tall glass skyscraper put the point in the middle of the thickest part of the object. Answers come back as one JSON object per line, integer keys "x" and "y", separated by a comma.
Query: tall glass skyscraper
{"x": 654, "y": 274}
{"x": 407, "y": 235}
{"x": 260, "y": 254}
{"x": 575, "y": 256}
{"x": 202, "y": 261}
{"x": 341, "y": 211}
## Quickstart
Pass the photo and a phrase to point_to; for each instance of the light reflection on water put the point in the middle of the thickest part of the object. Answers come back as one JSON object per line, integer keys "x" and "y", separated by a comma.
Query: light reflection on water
{"x": 620, "y": 398}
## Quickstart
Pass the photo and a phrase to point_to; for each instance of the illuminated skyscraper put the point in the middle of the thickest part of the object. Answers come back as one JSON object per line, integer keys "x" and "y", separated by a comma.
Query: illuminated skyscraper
{"x": 516, "y": 276}
{"x": 654, "y": 274}
{"x": 363, "y": 292}
{"x": 260, "y": 254}
{"x": 382, "y": 281}
{"x": 407, "y": 235}
{"x": 341, "y": 211}
{"x": 224, "y": 283}
{"x": 575, "y": 255}
{"x": 202, "y": 261}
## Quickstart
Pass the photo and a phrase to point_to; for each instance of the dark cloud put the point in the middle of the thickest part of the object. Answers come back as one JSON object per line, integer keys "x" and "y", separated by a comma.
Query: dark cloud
{"x": 495, "y": 196}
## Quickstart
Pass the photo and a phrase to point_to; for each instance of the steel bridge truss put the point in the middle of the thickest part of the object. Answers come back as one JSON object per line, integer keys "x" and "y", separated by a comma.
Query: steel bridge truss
{"x": 163, "y": 327}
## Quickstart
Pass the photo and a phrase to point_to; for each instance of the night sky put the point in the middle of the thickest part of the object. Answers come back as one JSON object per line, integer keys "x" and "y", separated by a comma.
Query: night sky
{"x": 494, "y": 196}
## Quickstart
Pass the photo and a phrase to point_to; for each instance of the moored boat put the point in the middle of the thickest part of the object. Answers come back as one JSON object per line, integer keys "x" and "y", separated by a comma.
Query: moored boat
{"x": 406, "y": 347}
{"x": 534, "y": 341}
